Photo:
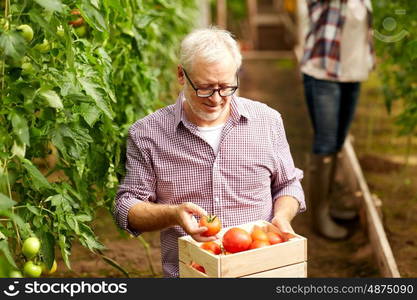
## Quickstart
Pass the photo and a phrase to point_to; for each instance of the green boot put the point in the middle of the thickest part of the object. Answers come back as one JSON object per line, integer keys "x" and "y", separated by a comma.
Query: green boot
{"x": 323, "y": 224}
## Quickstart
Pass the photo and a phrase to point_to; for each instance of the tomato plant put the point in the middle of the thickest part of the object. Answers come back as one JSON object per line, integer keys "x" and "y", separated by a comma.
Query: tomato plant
{"x": 212, "y": 223}
{"x": 236, "y": 240}
{"x": 212, "y": 247}
{"x": 67, "y": 102}
{"x": 395, "y": 36}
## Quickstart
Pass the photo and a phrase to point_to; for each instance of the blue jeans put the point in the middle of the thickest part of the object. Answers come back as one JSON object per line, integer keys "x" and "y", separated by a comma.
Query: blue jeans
{"x": 331, "y": 106}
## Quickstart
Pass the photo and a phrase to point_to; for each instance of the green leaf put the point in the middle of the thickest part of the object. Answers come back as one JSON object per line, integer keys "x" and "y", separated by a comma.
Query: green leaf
{"x": 412, "y": 49}
{"x": 20, "y": 127}
{"x": 36, "y": 17}
{"x": 6, "y": 202}
{"x": 90, "y": 113}
{"x": 33, "y": 209}
{"x": 13, "y": 45}
{"x": 93, "y": 16}
{"x": 93, "y": 91}
{"x": 4, "y": 247}
{"x": 53, "y": 99}
{"x": 65, "y": 250}
{"x": 51, "y": 5}
{"x": 39, "y": 181}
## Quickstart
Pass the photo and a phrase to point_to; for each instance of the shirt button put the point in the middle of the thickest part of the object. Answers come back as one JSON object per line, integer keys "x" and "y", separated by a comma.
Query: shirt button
{"x": 216, "y": 199}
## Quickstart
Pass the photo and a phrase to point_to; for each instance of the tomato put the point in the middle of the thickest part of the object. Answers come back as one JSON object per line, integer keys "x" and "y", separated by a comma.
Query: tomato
{"x": 31, "y": 247}
{"x": 198, "y": 267}
{"x": 26, "y": 32}
{"x": 212, "y": 223}
{"x": 274, "y": 238}
{"x": 15, "y": 274}
{"x": 32, "y": 270}
{"x": 44, "y": 47}
{"x": 51, "y": 271}
{"x": 236, "y": 240}
{"x": 212, "y": 247}
{"x": 77, "y": 21}
{"x": 259, "y": 235}
{"x": 259, "y": 244}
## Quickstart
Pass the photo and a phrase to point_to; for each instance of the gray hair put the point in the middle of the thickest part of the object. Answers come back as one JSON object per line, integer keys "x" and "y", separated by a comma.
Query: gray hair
{"x": 210, "y": 44}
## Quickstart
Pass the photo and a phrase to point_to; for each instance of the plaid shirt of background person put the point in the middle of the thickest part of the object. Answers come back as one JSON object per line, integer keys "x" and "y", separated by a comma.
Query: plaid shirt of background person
{"x": 325, "y": 32}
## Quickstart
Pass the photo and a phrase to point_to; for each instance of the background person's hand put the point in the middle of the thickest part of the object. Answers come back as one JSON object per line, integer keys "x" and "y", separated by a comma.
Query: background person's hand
{"x": 186, "y": 219}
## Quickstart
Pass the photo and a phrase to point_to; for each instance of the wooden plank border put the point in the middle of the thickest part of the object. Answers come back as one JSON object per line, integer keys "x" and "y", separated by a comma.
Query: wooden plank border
{"x": 377, "y": 235}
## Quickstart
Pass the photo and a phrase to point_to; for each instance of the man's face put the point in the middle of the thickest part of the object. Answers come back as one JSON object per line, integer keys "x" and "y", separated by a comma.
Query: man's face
{"x": 215, "y": 109}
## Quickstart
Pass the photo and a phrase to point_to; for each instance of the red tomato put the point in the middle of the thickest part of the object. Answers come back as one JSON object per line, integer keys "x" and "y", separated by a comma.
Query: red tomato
{"x": 236, "y": 240}
{"x": 274, "y": 238}
{"x": 212, "y": 247}
{"x": 77, "y": 21}
{"x": 212, "y": 223}
{"x": 198, "y": 267}
{"x": 259, "y": 244}
{"x": 259, "y": 235}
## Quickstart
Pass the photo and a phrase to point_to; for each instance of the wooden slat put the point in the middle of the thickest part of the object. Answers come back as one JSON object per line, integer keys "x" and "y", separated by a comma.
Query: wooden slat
{"x": 256, "y": 260}
{"x": 189, "y": 251}
{"x": 221, "y": 14}
{"x": 293, "y": 271}
{"x": 378, "y": 238}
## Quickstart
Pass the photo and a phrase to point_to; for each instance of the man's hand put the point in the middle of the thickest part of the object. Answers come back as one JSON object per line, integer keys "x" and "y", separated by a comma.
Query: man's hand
{"x": 185, "y": 218}
{"x": 285, "y": 209}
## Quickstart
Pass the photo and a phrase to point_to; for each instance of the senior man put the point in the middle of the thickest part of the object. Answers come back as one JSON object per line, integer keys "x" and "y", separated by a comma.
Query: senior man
{"x": 209, "y": 153}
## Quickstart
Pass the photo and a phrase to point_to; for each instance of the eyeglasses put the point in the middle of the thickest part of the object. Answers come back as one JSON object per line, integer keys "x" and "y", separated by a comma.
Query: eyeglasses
{"x": 206, "y": 92}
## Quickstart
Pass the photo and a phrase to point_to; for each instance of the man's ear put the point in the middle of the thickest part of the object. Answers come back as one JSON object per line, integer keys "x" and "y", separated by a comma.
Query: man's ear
{"x": 180, "y": 75}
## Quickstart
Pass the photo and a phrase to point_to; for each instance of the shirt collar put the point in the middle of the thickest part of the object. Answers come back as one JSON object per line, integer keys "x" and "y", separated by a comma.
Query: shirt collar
{"x": 236, "y": 107}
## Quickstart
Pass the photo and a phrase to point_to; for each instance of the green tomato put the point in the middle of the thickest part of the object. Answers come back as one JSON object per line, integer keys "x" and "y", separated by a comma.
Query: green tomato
{"x": 44, "y": 47}
{"x": 32, "y": 270}
{"x": 27, "y": 68}
{"x": 26, "y": 31}
{"x": 81, "y": 31}
{"x": 31, "y": 247}
{"x": 15, "y": 274}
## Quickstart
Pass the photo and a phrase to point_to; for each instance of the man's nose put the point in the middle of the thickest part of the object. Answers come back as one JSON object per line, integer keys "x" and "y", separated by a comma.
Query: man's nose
{"x": 215, "y": 98}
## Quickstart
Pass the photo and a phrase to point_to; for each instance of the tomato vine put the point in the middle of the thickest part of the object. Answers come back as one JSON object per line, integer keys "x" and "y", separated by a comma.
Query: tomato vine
{"x": 68, "y": 97}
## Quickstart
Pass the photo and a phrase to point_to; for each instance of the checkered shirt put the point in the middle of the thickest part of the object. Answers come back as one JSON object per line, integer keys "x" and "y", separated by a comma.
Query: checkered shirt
{"x": 322, "y": 44}
{"x": 168, "y": 162}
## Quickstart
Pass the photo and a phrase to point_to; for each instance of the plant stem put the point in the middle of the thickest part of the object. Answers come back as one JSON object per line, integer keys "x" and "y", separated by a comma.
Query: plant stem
{"x": 145, "y": 245}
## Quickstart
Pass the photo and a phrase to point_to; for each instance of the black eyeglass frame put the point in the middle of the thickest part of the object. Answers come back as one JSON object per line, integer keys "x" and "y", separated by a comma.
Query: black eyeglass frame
{"x": 234, "y": 87}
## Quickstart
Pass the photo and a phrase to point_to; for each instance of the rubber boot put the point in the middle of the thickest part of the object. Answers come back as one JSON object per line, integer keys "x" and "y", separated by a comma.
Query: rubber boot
{"x": 339, "y": 208}
{"x": 323, "y": 224}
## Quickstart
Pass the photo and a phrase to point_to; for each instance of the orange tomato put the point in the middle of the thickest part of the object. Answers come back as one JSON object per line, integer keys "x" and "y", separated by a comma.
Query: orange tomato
{"x": 274, "y": 238}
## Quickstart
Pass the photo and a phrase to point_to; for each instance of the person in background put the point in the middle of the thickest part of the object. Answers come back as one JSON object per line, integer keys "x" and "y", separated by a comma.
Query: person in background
{"x": 211, "y": 152}
{"x": 337, "y": 56}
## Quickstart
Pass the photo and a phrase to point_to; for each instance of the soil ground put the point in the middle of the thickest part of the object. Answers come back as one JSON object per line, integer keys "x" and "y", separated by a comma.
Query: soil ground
{"x": 278, "y": 84}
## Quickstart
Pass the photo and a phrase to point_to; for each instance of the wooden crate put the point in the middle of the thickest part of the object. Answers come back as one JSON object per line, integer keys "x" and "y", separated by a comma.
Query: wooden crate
{"x": 287, "y": 259}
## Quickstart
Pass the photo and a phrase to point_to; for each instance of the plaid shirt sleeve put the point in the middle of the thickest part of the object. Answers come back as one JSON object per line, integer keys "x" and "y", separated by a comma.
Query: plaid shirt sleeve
{"x": 287, "y": 178}
{"x": 139, "y": 182}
